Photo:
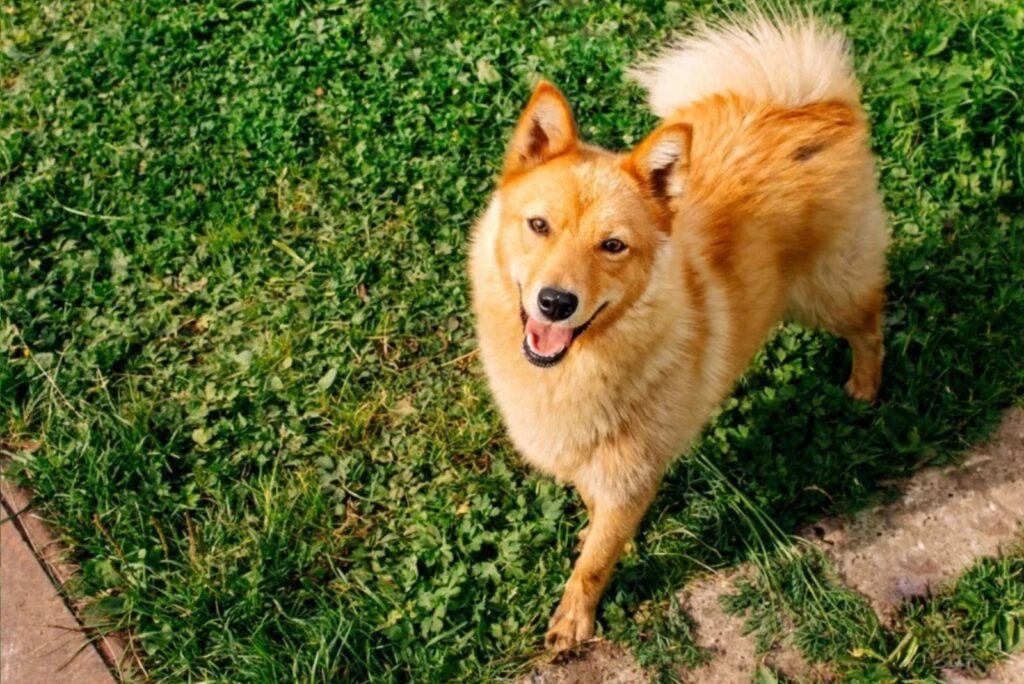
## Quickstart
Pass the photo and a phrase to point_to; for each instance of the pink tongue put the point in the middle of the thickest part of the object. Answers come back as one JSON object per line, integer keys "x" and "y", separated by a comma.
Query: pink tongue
{"x": 547, "y": 339}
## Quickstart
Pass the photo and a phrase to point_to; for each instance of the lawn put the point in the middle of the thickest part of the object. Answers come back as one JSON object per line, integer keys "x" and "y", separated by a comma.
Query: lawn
{"x": 236, "y": 357}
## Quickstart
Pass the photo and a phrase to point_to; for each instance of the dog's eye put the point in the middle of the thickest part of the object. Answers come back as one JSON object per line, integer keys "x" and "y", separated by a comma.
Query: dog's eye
{"x": 613, "y": 245}
{"x": 538, "y": 225}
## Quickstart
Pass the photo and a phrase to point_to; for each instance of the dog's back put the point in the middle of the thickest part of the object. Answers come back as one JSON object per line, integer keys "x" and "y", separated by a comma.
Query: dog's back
{"x": 780, "y": 191}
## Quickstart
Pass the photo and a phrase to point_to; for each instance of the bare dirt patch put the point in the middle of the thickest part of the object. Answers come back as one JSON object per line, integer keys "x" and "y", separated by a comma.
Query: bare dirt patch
{"x": 599, "y": 661}
{"x": 733, "y": 652}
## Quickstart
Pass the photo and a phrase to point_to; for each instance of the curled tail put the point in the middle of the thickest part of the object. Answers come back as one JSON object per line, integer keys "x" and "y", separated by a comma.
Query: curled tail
{"x": 790, "y": 62}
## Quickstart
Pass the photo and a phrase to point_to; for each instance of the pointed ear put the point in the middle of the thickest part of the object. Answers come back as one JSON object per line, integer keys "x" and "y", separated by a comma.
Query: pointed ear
{"x": 661, "y": 160}
{"x": 545, "y": 130}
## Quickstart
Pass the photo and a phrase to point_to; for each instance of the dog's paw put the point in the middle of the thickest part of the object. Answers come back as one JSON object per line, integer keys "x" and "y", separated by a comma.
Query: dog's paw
{"x": 859, "y": 389}
{"x": 570, "y": 625}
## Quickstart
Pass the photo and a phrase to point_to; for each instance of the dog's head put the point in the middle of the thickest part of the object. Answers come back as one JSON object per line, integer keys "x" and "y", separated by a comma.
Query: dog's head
{"x": 580, "y": 226}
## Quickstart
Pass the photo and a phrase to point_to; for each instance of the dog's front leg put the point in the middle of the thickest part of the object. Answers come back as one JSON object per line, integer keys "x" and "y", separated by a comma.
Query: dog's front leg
{"x": 613, "y": 522}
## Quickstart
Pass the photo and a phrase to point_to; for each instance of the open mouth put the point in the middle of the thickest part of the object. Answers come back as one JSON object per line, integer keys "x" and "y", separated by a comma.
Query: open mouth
{"x": 545, "y": 344}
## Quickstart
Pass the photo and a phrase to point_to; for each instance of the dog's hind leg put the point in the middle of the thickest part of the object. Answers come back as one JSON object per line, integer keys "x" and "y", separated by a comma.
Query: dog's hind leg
{"x": 858, "y": 319}
{"x": 863, "y": 330}
{"x": 845, "y": 294}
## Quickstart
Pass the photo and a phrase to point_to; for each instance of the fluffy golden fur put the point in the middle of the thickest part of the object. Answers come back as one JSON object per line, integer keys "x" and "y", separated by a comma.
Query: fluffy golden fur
{"x": 754, "y": 198}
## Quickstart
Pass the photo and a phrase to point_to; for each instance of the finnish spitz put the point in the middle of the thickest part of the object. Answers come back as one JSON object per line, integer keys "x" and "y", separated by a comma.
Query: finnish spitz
{"x": 618, "y": 297}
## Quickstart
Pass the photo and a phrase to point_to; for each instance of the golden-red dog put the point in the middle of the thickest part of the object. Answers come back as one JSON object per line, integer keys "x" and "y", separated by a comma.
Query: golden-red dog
{"x": 619, "y": 296}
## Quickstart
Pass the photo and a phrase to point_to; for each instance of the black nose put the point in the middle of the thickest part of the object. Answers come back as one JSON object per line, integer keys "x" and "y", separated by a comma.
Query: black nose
{"x": 555, "y": 304}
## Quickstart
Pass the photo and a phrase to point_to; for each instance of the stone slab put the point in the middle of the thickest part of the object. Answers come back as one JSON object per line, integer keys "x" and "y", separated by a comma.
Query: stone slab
{"x": 40, "y": 640}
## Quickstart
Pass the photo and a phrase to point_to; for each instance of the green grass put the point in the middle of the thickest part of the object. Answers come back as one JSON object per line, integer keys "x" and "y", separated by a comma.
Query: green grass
{"x": 794, "y": 595}
{"x": 969, "y": 624}
{"x": 233, "y": 313}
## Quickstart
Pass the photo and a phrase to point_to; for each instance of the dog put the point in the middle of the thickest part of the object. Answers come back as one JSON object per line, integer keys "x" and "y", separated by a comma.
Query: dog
{"x": 619, "y": 296}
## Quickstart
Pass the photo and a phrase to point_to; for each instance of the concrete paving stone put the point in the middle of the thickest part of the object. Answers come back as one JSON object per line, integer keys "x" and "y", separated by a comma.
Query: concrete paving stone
{"x": 54, "y": 558}
{"x": 40, "y": 640}
{"x": 946, "y": 519}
